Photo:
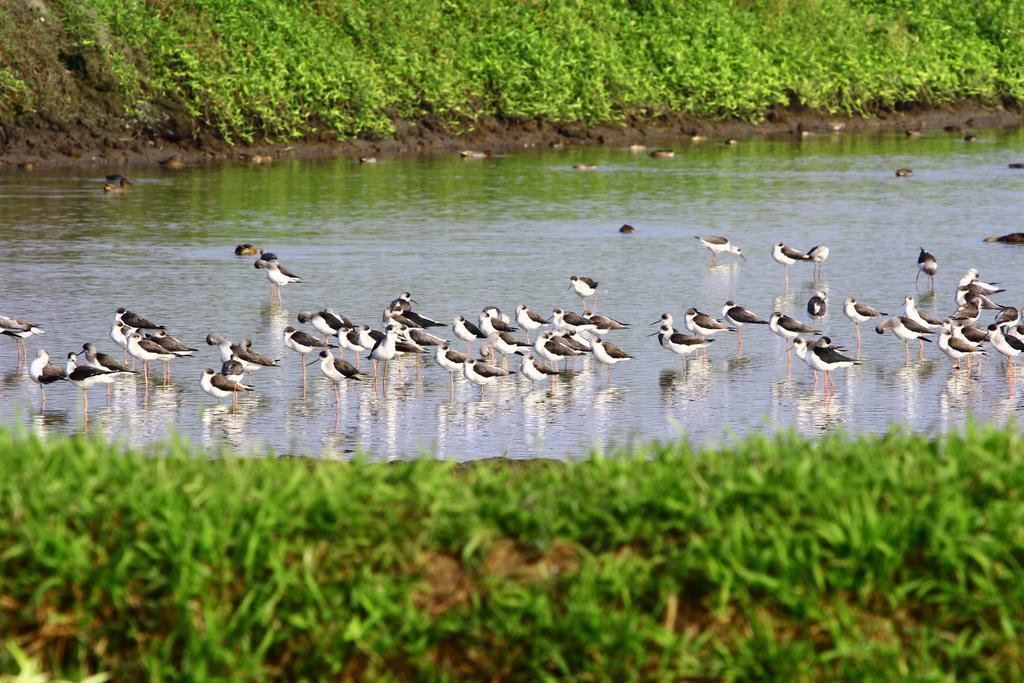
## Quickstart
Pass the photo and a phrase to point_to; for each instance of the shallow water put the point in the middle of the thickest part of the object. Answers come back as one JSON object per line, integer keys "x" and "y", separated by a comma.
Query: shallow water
{"x": 462, "y": 235}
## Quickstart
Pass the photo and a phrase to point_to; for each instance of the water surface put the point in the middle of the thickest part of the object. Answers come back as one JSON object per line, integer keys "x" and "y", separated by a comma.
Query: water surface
{"x": 462, "y": 235}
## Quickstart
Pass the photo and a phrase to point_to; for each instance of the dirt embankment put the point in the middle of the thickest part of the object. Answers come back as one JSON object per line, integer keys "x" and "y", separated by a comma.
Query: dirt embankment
{"x": 108, "y": 140}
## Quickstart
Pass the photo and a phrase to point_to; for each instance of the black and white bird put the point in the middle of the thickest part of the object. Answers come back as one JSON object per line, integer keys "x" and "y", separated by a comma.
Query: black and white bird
{"x": 906, "y": 329}
{"x": 973, "y": 277}
{"x": 277, "y": 275}
{"x": 927, "y": 264}
{"x": 824, "y": 358}
{"x": 85, "y": 377}
{"x": 922, "y": 318}
{"x": 680, "y": 344}
{"x": 467, "y": 332}
{"x": 817, "y": 255}
{"x": 403, "y": 305}
{"x": 968, "y": 293}
{"x": 19, "y": 330}
{"x": 384, "y": 351}
{"x": 480, "y": 373}
{"x": 232, "y": 370}
{"x": 1008, "y": 345}
{"x": 703, "y": 325}
{"x": 119, "y": 335}
{"x": 491, "y": 323}
{"x": 817, "y": 305}
{"x": 103, "y": 361}
{"x": 787, "y": 256}
{"x": 788, "y": 328}
{"x": 529, "y": 320}
{"x": 607, "y": 353}
{"x": 326, "y": 322}
{"x": 43, "y": 373}
{"x": 717, "y": 244}
{"x": 137, "y": 321}
{"x": 859, "y": 313}
{"x": 737, "y": 317}
{"x": 584, "y": 287}
{"x": 570, "y": 322}
{"x": 506, "y": 344}
{"x": 336, "y": 370}
{"x": 219, "y": 386}
{"x": 536, "y": 370}
{"x": 450, "y": 360}
{"x": 603, "y": 324}
{"x": 553, "y": 348}
{"x": 956, "y": 348}
{"x": 303, "y": 343}
{"x": 146, "y": 350}
{"x": 172, "y": 345}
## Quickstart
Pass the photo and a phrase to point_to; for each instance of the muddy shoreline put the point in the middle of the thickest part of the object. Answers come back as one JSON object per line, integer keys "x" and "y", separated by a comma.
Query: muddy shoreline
{"x": 51, "y": 146}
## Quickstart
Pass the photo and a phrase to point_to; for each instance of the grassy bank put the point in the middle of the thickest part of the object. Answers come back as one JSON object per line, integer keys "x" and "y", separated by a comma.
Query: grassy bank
{"x": 282, "y": 69}
{"x": 777, "y": 560}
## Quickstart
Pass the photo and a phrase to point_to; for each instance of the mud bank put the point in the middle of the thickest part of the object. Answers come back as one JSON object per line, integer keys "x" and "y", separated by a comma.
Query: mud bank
{"x": 86, "y": 145}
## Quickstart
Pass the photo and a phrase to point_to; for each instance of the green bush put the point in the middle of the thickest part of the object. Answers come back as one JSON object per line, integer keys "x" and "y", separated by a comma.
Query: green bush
{"x": 775, "y": 559}
{"x": 285, "y": 68}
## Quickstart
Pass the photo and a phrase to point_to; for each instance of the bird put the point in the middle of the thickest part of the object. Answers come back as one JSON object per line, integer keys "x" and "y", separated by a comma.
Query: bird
{"x": 146, "y": 350}
{"x": 529, "y": 320}
{"x": 480, "y": 373}
{"x": 788, "y": 328}
{"x": 130, "y": 319}
{"x": 243, "y": 353}
{"x": 825, "y": 358}
{"x": 680, "y": 344}
{"x": 19, "y": 330}
{"x": 703, "y": 325}
{"x": 973, "y": 278}
{"x": 552, "y": 348}
{"x": 1013, "y": 237}
{"x": 506, "y": 344}
{"x": 103, "y": 361}
{"x": 382, "y": 352}
{"x": 956, "y": 348}
{"x": 906, "y": 329}
{"x": 473, "y": 155}
{"x": 336, "y": 370}
{"x": 1008, "y": 345}
{"x": 859, "y": 313}
{"x": 608, "y": 354}
{"x": 787, "y": 256}
{"x": 905, "y": 172}
{"x": 218, "y": 386}
{"x": 278, "y": 275}
{"x": 85, "y": 377}
{"x": 247, "y": 250}
{"x": 737, "y": 316}
{"x": 717, "y": 244}
{"x": 232, "y": 370}
{"x": 922, "y": 318}
{"x": 467, "y": 332}
{"x": 534, "y": 370}
{"x": 817, "y": 255}
{"x": 43, "y": 373}
{"x": 119, "y": 335}
{"x": 327, "y": 323}
{"x": 602, "y": 324}
{"x": 172, "y": 345}
{"x": 302, "y": 343}
{"x": 817, "y": 305}
{"x": 490, "y": 323}
{"x": 584, "y": 287}
{"x": 116, "y": 184}
{"x": 663, "y": 154}
{"x": 451, "y": 360}
{"x": 926, "y": 264}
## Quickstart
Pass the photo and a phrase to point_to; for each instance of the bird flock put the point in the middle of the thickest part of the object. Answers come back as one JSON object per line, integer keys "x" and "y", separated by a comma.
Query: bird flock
{"x": 546, "y": 342}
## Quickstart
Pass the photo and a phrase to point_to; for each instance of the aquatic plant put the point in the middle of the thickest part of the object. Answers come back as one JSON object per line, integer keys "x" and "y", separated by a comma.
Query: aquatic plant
{"x": 777, "y": 558}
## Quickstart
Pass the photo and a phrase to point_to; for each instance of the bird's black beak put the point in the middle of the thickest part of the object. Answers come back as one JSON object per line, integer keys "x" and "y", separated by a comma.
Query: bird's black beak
{"x": 656, "y": 322}
{"x": 413, "y": 301}
{"x": 315, "y": 360}
{"x": 653, "y": 333}
{"x": 743, "y": 257}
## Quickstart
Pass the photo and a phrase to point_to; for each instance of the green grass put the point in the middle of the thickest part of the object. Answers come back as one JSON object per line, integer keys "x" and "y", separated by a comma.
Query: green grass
{"x": 285, "y": 68}
{"x": 779, "y": 559}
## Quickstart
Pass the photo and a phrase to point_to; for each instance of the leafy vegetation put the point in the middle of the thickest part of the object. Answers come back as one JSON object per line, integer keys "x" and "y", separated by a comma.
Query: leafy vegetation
{"x": 776, "y": 559}
{"x": 286, "y": 68}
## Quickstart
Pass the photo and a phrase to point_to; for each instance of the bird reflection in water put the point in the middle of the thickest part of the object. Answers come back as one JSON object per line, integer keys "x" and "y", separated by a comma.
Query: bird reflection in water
{"x": 229, "y": 422}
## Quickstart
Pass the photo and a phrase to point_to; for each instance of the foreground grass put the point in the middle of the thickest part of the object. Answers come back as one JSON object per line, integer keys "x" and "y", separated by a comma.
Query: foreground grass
{"x": 780, "y": 559}
{"x": 284, "y": 68}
